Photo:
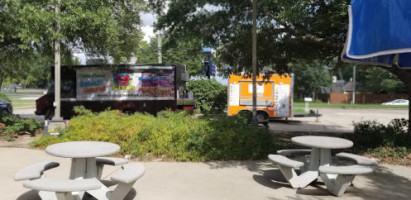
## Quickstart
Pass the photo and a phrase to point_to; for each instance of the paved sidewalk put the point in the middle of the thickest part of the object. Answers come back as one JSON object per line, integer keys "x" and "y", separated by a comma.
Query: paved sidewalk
{"x": 247, "y": 180}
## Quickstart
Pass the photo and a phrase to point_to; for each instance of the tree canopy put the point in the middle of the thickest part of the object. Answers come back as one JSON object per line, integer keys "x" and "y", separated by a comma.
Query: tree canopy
{"x": 309, "y": 77}
{"x": 287, "y": 30}
{"x": 185, "y": 52}
{"x": 103, "y": 28}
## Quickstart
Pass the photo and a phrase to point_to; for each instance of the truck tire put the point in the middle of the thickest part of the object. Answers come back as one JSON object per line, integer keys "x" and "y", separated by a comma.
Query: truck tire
{"x": 129, "y": 111}
{"x": 4, "y": 112}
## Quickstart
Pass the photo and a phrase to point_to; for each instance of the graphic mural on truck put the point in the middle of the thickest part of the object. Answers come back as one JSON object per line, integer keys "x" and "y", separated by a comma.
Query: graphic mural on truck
{"x": 147, "y": 83}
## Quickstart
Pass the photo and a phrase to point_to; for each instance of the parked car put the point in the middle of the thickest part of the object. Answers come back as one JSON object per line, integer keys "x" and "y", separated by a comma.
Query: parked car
{"x": 397, "y": 102}
{"x": 5, "y": 106}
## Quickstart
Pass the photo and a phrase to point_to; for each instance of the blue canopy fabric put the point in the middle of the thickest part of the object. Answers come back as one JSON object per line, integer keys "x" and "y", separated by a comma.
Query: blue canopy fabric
{"x": 379, "y": 31}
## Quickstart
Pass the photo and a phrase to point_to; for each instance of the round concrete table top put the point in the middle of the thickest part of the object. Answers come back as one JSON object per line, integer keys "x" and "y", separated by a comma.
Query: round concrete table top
{"x": 82, "y": 149}
{"x": 322, "y": 142}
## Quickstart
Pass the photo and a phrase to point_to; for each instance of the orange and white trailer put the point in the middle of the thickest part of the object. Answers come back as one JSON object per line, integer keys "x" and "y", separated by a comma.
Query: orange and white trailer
{"x": 274, "y": 96}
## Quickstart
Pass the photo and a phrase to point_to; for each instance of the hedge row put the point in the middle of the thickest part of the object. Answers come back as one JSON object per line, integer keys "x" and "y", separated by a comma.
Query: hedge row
{"x": 170, "y": 135}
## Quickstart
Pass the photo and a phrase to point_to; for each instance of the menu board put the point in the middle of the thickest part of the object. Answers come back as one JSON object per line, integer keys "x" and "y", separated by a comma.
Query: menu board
{"x": 234, "y": 94}
{"x": 259, "y": 87}
{"x": 138, "y": 83}
{"x": 282, "y": 100}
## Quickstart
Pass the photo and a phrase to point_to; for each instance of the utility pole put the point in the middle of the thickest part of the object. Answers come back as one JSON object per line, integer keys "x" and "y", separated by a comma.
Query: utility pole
{"x": 57, "y": 66}
{"x": 254, "y": 61}
{"x": 354, "y": 84}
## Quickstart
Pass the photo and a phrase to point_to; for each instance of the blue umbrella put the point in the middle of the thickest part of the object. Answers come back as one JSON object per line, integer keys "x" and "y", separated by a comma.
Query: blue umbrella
{"x": 379, "y": 33}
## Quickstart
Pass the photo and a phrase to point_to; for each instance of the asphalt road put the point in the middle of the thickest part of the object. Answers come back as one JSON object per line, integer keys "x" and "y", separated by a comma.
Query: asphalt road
{"x": 337, "y": 120}
{"x": 28, "y": 112}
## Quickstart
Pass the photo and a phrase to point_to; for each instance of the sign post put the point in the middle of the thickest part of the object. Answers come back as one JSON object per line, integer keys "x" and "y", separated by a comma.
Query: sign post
{"x": 307, "y": 100}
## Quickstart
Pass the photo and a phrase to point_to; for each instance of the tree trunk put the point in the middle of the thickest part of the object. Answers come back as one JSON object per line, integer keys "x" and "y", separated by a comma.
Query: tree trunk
{"x": 1, "y": 82}
{"x": 409, "y": 111}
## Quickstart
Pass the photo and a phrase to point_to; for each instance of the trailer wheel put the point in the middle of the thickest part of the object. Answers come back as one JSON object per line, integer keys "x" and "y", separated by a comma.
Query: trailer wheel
{"x": 262, "y": 118}
{"x": 246, "y": 114}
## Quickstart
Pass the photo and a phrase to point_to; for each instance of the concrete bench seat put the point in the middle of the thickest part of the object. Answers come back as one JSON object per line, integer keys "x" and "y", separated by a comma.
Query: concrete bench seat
{"x": 301, "y": 155}
{"x": 284, "y": 161}
{"x": 101, "y": 161}
{"x": 130, "y": 173}
{"x": 287, "y": 167}
{"x": 125, "y": 179}
{"x": 61, "y": 189}
{"x": 34, "y": 171}
{"x": 347, "y": 170}
{"x": 111, "y": 161}
{"x": 345, "y": 176}
{"x": 294, "y": 152}
{"x": 361, "y": 160}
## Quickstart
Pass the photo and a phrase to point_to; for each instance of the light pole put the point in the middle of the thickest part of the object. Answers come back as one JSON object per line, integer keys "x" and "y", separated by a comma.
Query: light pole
{"x": 57, "y": 66}
{"x": 160, "y": 55}
{"x": 254, "y": 61}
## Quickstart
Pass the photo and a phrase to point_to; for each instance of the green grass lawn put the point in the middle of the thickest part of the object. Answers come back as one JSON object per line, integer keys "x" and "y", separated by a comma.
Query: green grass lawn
{"x": 18, "y": 103}
{"x": 24, "y": 92}
{"x": 298, "y": 111}
{"x": 342, "y": 105}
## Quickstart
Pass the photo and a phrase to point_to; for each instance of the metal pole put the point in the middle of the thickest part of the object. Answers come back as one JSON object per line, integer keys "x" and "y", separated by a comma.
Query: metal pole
{"x": 160, "y": 56}
{"x": 354, "y": 84}
{"x": 254, "y": 60}
{"x": 208, "y": 66}
{"x": 57, "y": 67}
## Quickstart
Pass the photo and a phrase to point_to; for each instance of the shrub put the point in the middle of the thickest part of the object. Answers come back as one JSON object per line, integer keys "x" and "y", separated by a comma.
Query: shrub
{"x": 14, "y": 125}
{"x": 382, "y": 140}
{"x": 170, "y": 135}
{"x": 4, "y": 96}
{"x": 211, "y": 96}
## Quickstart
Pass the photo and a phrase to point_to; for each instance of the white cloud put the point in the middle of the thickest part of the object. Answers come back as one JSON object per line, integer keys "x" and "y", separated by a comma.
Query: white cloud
{"x": 81, "y": 56}
{"x": 148, "y": 32}
{"x": 148, "y": 18}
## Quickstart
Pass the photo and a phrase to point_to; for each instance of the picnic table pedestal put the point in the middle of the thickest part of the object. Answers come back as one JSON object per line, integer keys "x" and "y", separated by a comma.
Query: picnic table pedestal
{"x": 321, "y": 147}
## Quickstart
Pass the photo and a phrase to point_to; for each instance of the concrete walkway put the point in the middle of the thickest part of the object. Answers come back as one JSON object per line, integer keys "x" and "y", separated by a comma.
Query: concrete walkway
{"x": 246, "y": 180}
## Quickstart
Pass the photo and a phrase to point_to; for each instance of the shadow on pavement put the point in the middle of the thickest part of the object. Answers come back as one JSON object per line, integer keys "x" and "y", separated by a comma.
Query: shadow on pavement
{"x": 272, "y": 179}
{"x": 381, "y": 185}
{"x": 254, "y": 166}
{"x": 32, "y": 195}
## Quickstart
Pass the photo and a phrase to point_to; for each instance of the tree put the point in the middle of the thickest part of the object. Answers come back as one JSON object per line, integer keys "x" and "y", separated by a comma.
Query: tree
{"x": 287, "y": 30}
{"x": 187, "y": 53}
{"x": 211, "y": 96}
{"x": 106, "y": 28}
{"x": 309, "y": 77}
{"x": 382, "y": 81}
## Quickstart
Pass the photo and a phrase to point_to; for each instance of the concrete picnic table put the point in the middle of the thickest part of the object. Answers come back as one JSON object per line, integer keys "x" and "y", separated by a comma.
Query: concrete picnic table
{"x": 83, "y": 156}
{"x": 321, "y": 147}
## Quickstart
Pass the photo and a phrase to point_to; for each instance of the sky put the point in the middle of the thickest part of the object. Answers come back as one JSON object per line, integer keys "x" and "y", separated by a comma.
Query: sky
{"x": 148, "y": 20}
